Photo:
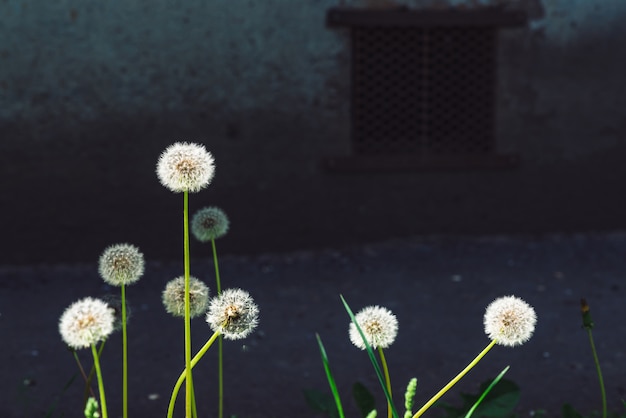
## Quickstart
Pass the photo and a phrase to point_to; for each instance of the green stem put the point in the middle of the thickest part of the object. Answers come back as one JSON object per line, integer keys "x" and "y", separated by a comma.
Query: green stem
{"x": 387, "y": 380}
{"x": 182, "y": 377}
{"x": 220, "y": 355}
{"x": 124, "y": 356}
{"x": 454, "y": 380}
{"x": 220, "y": 373}
{"x": 217, "y": 268}
{"x": 96, "y": 362}
{"x": 88, "y": 388}
{"x": 189, "y": 385}
{"x": 600, "y": 378}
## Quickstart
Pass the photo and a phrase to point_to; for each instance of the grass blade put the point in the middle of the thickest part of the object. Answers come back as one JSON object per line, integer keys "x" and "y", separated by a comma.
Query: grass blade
{"x": 329, "y": 376}
{"x": 370, "y": 353}
{"x": 480, "y": 399}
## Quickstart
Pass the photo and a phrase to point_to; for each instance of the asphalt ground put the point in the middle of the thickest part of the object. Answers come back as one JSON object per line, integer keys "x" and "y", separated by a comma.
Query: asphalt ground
{"x": 438, "y": 287}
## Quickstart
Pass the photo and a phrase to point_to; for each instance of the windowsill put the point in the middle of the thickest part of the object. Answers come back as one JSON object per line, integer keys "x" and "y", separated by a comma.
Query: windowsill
{"x": 391, "y": 163}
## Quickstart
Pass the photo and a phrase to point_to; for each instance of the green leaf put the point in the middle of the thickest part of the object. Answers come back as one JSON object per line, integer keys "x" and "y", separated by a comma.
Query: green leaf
{"x": 370, "y": 353}
{"x": 321, "y": 402}
{"x": 498, "y": 403}
{"x": 364, "y": 399}
{"x": 486, "y": 392}
{"x": 329, "y": 376}
{"x": 568, "y": 411}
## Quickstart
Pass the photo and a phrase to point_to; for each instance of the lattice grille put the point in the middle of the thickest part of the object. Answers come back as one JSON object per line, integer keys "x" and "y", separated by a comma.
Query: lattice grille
{"x": 426, "y": 91}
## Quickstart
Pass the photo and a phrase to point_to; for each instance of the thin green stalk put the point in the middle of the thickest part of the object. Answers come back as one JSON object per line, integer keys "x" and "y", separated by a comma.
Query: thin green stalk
{"x": 486, "y": 392}
{"x": 599, "y": 371}
{"x": 370, "y": 353}
{"x": 220, "y": 355}
{"x": 455, "y": 380}
{"x": 124, "y": 356}
{"x": 588, "y": 325}
{"x": 189, "y": 385}
{"x": 217, "y": 268}
{"x": 387, "y": 381}
{"x": 96, "y": 362}
{"x": 329, "y": 376}
{"x": 182, "y": 377}
{"x": 88, "y": 389}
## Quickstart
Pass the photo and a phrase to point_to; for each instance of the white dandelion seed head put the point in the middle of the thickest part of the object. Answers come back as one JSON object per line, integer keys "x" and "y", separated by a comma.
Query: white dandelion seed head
{"x": 379, "y": 325}
{"x": 233, "y": 313}
{"x": 174, "y": 297}
{"x": 86, "y": 322}
{"x": 209, "y": 223}
{"x": 185, "y": 167}
{"x": 121, "y": 264}
{"x": 509, "y": 321}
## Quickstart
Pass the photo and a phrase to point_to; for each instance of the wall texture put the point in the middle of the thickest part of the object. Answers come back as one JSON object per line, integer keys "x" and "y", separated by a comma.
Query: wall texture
{"x": 92, "y": 92}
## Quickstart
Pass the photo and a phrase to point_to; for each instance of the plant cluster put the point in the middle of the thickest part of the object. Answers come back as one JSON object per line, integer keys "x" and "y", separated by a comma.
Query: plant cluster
{"x": 232, "y": 314}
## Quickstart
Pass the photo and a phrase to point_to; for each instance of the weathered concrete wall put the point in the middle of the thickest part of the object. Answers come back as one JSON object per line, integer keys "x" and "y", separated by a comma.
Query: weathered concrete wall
{"x": 92, "y": 92}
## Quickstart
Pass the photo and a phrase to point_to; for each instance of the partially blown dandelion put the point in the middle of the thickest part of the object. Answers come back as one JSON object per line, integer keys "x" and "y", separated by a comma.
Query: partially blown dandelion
{"x": 233, "y": 313}
{"x": 379, "y": 325}
{"x": 86, "y": 322}
{"x": 174, "y": 297}
{"x": 185, "y": 167}
{"x": 209, "y": 223}
{"x": 121, "y": 264}
{"x": 509, "y": 321}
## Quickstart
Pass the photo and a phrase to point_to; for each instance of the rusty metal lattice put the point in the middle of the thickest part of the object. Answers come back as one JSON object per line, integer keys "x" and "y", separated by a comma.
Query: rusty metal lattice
{"x": 423, "y": 90}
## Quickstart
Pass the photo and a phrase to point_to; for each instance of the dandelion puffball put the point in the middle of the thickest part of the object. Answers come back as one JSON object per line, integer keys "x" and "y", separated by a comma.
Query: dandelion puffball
{"x": 509, "y": 321}
{"x": 185, "y": 167}
{"x": 121, "y": 264}
{"x": 233, "y": 313}
{"x": 209, "y": 223}
{"x": 174, "y": 297}
{"x": 379, "y": 325}
{"x": 86, "y": 322}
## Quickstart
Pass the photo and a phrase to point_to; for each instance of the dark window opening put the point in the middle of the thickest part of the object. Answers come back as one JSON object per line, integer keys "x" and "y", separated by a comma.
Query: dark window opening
{"x": 423, "y": 87}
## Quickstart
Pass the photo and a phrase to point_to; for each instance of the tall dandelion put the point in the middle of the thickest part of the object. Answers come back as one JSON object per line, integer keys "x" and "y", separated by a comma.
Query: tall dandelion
{"x": 121, "y": 265}
{"x": 234, "y": 314}
{"x": 186, "y": 167}
{"x": 380, "y": 327}
{"x": 208, "y": 224}
{"x": 508, "y": 321}
{"x": 83, "y": 324}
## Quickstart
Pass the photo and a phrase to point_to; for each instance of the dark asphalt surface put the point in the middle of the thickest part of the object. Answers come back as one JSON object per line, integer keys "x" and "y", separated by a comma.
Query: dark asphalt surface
{"x": 438, "y": 288}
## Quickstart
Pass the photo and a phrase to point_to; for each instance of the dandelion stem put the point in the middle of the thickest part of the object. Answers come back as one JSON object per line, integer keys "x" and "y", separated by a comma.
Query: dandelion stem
{"x": 599, "y": 371}
{"x": 124, "y": 356}
{"x": 588, "y": 325}
{"x": 189, "y": 385}
{"x": 387, "y": 380}
{"x": 88, "y": 388}
{"x": 96, "y": 362}
{"x": 181, "y": 378}
{"x": 217, "y": 268}
{"x": 454, "y": 380}
{"x": 220, "y": 356}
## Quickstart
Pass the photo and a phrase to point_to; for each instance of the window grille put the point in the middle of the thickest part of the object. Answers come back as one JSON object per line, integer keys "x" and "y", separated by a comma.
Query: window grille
{"x": 423, "y": 86}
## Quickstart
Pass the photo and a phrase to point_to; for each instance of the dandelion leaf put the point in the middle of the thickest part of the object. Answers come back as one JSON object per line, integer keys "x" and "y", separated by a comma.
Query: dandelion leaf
{"x": 321, "y": 402}
{"x": 498, "y": 403}
{"x": 364, "y": 399}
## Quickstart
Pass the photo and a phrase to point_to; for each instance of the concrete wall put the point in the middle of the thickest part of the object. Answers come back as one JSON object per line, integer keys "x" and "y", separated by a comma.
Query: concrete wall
{"x": 92, "y": 92}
